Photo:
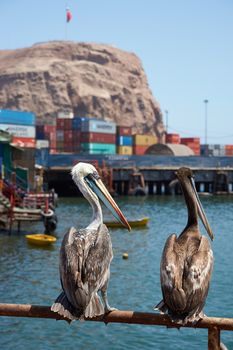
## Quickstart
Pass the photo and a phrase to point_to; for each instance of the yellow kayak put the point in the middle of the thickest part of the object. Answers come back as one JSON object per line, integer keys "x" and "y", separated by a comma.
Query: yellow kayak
{"x": 40, "y": 239}
{"x": 133, "y": 223}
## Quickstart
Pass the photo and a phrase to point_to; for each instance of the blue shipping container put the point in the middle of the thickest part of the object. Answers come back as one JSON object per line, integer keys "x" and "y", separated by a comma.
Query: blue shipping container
{"x": 17, "y": 117}
{"x": 125, "y": 140}
{"x": 78, "y": 121}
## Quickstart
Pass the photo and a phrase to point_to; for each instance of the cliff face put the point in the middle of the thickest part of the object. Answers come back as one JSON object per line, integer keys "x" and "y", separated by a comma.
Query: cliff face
{"x": 87, "y": 79}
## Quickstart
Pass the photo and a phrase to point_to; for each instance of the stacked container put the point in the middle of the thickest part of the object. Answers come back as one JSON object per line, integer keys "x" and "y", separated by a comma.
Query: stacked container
{"x": 98, "y": 136}
{"x": 124, "y": 140}
{"x": 213, "y": 150}
{"x": 142, "y": 142}
{"x": 21, "y": 125}
{"x": 229, "y": 150}
{"x": 68, "y": 135}
{"x": 172, "y": 138}
{"x": 193, "y": 143}
{"x": 47, "y": 132}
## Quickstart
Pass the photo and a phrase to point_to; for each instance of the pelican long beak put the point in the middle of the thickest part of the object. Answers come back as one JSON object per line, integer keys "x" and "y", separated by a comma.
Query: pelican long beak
{"x": 101, "y": 191}
{"x": 201, "y": 212}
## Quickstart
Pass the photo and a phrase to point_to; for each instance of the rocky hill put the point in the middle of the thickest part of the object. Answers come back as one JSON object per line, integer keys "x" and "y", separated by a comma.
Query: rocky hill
{"x": 87, "y": 79}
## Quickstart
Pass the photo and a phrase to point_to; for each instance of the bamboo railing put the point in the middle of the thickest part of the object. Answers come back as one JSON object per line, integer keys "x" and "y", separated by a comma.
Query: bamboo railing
{"x": 213, "y": 324}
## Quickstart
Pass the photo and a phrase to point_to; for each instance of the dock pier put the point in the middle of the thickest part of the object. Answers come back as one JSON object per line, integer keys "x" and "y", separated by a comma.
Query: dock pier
{"x": 159, "y": 180}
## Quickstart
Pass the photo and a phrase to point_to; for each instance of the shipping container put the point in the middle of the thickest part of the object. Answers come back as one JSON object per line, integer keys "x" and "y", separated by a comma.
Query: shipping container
{"x": 50, "y": 128}
{"x": 124, "y": 130}
{"x": 19, "y": 130}
{"x": 60, "y": 145}
{"x": 17, "y": 117}
{"x": 92, "y": 125}
{"x": 140, "y": 150}
{"x": 76, "y": 136}
{"x": 213, "y": 150}
{"x": 64, "y": 115}
{"x": 229, "y": 150}
{"x": 60, "y": 124}
{"x": 189, "y": 139}
{"x": 64, "y": 124}
{"x": 97, "y": 137}
{"x": 42, "y": 144}
{"x": 98, "y": 148}
{"x": 172, "y": 138}
{"x": 51, "y": 136}
{"x": 60, "y": 135}
{"x": 68, "y": 136}
{"x": 124, "y": 140}
{"x": 144, "y": 140}
{"x": 127, "y": 150}
{"x": 24, "y": 142}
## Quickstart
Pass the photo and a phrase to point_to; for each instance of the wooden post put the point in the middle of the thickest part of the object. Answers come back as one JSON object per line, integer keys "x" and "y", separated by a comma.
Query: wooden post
{"x": 213, "y": 338}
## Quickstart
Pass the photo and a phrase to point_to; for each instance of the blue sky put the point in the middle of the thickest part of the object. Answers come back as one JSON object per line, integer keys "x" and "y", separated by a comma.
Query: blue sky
{"x": 185, "y": 47}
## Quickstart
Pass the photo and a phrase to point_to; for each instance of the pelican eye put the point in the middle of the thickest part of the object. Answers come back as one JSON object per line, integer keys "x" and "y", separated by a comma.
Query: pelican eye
{"x": 96, "y": 175}
{"x": 92, "y": 176}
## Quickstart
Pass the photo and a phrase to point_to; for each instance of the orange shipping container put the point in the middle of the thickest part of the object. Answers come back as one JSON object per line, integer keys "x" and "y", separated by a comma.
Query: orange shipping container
{"x": 144, "y": 140}
{"x": 128, "y": 150}
{"x": 26, "y": 142}
{"x": 140, "y": 150}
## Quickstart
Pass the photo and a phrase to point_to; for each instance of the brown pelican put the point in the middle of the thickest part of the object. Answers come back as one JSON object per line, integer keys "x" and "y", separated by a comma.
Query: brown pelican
{"x": 86, "y": 253}
{"x": 187, "y": 261}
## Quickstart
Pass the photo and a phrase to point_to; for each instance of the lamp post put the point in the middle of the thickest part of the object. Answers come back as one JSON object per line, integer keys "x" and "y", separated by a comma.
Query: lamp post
{"x": 166, "y": 113}
{"x": 206, "y": 102}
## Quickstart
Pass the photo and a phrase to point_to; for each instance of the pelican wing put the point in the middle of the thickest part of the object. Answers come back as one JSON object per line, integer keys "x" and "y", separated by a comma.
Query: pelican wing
{"x": 97, "y": 263}
{"x": 185, "y": 278}
{"x": 171, "y": 272}
{"x": 84, "y": 264}
{"x": 197, "y": 275}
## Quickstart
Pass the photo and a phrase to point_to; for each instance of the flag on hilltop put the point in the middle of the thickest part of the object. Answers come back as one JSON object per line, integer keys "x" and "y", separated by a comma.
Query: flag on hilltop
{"x": 68, "y": 15}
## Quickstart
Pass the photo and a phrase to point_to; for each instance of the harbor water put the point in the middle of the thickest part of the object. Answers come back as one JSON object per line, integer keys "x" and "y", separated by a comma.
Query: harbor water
{"x": 30, "y": 275}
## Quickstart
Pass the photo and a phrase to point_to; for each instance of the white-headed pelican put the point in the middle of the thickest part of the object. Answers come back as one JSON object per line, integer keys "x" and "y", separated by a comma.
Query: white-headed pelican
{"x": 86, "y": 253}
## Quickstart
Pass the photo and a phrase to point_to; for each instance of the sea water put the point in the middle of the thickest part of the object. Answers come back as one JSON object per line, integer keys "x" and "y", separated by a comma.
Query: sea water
{"x": 30, "y": 275}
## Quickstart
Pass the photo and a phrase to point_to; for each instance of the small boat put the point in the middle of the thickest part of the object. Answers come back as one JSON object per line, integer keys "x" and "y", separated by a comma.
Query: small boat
{"x": 133, "y": 223}
{"x": 40, "y": 239}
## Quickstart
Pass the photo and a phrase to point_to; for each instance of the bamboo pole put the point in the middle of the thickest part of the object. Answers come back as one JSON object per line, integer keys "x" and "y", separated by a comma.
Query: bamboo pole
{"x": 117, "y": 316}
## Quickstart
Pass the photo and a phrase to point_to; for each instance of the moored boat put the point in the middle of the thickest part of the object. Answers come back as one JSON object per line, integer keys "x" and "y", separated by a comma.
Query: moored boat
{"x": 40, "y": 239}
{"x": 133, "y": 223}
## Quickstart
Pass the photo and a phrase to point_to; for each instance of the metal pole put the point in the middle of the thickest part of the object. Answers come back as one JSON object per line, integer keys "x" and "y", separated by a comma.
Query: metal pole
{"x": 206, "y": 102}
{"x": 118, "y": 316}
{"x": 213, "y": 338}
{"x": 166, "y": 113}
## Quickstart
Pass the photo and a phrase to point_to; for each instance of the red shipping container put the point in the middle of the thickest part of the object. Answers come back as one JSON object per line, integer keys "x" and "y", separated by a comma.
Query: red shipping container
{"x": 49, "y": 128}
{"x": 53, "y": 144}
{"x": 68, "y": 124}
{"x": 97, "y": 137}
{"x": 68, "y": 135}
{"x": 173, "y": 138}
{"x": 60, "y": 124}
{"x": 190, "y": 139}
{"x": 76, "y": 136}
{"x": 124, "y": 131}
{"x": 51, "y": 136}
{"x": 26, "y": 142}
{"x": 140, "y": 150}
{"x": 68, "y": 148}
